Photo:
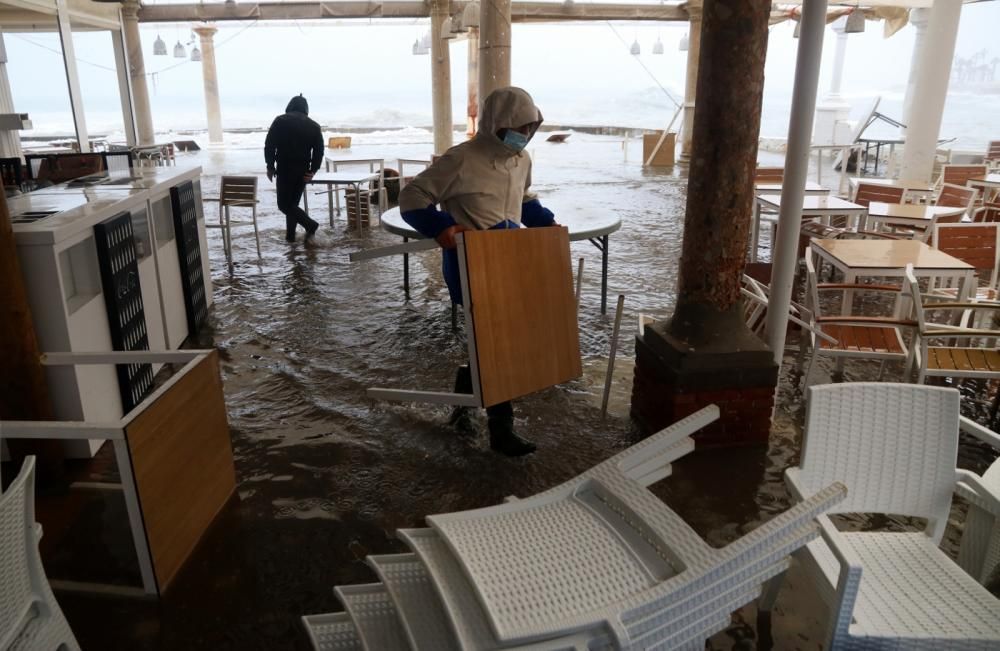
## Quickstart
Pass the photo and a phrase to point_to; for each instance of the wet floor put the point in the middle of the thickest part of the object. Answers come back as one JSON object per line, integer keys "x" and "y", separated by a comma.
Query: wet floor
{"x": 326, "y": 476}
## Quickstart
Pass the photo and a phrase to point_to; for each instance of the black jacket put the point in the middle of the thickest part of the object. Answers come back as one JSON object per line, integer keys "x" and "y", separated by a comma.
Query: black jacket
{"x": 294, "y": 141}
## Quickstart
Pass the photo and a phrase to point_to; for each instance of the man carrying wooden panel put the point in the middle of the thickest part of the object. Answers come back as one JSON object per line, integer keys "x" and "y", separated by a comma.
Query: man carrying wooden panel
{"x": 481, "y": 184}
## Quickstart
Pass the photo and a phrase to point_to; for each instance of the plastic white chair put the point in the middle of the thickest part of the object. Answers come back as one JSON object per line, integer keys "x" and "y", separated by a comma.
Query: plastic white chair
{"x": 979, "y": 554}
{"x": 30, "y": 617}
{"x": 596, "y": 562}
{"x": 895, "y": 447}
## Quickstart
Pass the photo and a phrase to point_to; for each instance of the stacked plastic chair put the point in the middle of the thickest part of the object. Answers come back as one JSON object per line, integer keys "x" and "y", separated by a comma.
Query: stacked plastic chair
{"x": 30, "y": 617}
{"x": 596, "y": 562}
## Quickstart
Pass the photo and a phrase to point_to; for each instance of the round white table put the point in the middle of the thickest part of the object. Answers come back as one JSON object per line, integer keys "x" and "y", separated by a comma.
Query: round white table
{"x": 596, "y": 227}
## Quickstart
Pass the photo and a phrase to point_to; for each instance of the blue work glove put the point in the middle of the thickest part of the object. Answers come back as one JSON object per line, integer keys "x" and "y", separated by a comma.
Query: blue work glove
{"x": 429, "y": 221}
{"x": 534, "y": 214}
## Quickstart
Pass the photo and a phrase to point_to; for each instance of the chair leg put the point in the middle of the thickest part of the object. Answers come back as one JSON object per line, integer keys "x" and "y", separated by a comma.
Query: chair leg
{"x": 228, "y": 242}
{"x": 881, "y": 371}
{"x": 812, "y": 362}
{"x": 256, "y": 233}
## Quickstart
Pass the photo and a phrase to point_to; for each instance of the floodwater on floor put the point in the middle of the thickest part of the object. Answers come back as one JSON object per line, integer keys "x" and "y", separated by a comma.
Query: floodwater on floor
{"x": 326, "y": 476}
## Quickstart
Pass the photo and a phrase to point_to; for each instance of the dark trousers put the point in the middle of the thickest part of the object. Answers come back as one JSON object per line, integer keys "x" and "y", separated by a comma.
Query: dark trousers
{"x": 463, "y": 384}
{"x": 290, "y": 187}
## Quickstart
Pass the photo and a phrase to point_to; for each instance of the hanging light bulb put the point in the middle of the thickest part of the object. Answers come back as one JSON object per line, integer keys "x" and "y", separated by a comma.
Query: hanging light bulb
{"x": 798, "y": 29}
{"x": 179, "y": 51}
{"x": 159, "y": 47}
{"x": 635, "y": 48}
{"x": 195, "y": 54}
{"x": 470, "y": 15}
{"x": 683, "y": 45}
{"x": 855, "y": 23}
{"x": 658, "y": 46}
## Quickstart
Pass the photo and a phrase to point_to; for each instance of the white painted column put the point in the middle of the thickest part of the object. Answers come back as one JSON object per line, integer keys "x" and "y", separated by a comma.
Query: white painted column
{"x": 918, "y": 18}
{"x": 137, "y": 72}
{"x": 694, "y": 10}
{"x": 210, "y": 78}
{"x": 494, "y": 46}
{"x": 833, "y": 111}
{"x": 807, "y": 65}
{"x": 440, "y": 79}
{"x": 72, "y": 78}
{"x": 472, "y": 110}
{"x": 10, "y": 141}
{"x": 930, "y": 90}
{"x": 124, "y": 86}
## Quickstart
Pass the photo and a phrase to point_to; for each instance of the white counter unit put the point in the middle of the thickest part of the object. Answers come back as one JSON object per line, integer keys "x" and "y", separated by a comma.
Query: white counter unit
{"x": 55, "y": 237}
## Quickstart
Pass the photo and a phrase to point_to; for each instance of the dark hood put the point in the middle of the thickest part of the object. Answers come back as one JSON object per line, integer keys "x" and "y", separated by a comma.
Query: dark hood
{"x": 298, "y": 104}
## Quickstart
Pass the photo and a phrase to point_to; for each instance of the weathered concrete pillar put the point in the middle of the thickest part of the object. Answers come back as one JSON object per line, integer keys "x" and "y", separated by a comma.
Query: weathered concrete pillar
{"x": 472, "y": 110}
{"x": 72, "y": 78}
{"x": 704, "y": 353}
{"x": 137, "y": 72}
{"x": 10, "y": 141}
{"x": 206, "y": 34}
{"x": 694, "y": 10}
{"x": 833, "y": 112}
{"x": 494, "y": 46}
{"x": 918, "y": 18}
{"x": 930, "y": 91}
{"x": 440, "y": 79}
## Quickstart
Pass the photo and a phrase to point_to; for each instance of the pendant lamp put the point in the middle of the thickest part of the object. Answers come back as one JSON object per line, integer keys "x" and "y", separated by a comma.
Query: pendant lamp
{"x": 195, "y": 54}
{"x": 855, "y": 23}
{"x": 658, "y": 46}
{"x": 683, "y": 46}
{"x": 179, "y": 51}
{"x": 635, "y": 48}
{"x": 470, "y": 15}
{"x": 159, "y": 47}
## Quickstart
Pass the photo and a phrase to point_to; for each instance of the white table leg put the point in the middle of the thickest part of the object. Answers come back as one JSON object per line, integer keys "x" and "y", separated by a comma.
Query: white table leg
{"x": 755, "y": 228}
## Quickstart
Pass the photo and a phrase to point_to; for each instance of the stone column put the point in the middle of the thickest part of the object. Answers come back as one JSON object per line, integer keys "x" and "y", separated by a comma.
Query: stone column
{"x": 72, "y": 78}
{"x": 441, "y": 79}
{"x": 494, "y": 46}
{"x": 705, "y": 353}
{"x": 833, "y": 111}
{"x": 10, "y": 141}
{"x": 472, "y": 110}
{"x": 918, "y": 18}
{"x": 694, "y": 10}
{"x": 137, "y": 71}
{"x": 206, "y": 34}
{"x": 930, "y": 91}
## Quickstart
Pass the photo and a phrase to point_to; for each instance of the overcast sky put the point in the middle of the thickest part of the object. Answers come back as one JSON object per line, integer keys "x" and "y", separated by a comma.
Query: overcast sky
{"x": 261, "y": 65}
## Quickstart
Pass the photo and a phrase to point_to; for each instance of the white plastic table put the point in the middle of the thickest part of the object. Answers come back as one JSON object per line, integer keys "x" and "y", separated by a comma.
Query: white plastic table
{"x": 334, "y": 179}
{"x": 822, "y": 206}
{"x": 333, "y": 163}
{"x": 812, "y": 188}
{"x": 990, "y": 185}
{"x": 596, "y": 227}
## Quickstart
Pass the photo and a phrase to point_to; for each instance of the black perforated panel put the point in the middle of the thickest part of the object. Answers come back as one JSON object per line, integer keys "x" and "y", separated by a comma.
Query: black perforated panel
{"x": 123, "y": 300}
{"x": 182, "y": 202}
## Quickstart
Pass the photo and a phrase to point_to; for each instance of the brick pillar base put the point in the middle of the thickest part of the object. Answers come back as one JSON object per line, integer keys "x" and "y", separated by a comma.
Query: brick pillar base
{"x": 737, "y": 373}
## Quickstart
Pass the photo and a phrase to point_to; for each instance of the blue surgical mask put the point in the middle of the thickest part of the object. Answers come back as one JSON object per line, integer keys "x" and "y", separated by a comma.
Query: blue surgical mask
{"x": 516, "y": 140}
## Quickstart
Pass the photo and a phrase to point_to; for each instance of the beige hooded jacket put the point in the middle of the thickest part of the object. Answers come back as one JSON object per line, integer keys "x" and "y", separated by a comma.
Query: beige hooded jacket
{"x": 481, "y": 182}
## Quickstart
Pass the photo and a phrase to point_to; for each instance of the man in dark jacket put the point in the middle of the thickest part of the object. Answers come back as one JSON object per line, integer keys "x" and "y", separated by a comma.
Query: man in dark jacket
{"x": 295, "y": 143}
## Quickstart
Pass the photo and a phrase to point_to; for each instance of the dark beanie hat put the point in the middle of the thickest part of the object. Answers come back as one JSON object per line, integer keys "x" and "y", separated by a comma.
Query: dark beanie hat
{"x": 299, "y": 104}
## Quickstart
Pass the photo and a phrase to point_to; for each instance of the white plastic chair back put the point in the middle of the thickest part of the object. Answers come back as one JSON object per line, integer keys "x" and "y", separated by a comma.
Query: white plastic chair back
{"x": 894, "y": 446}
{"x": 29, "y": 613}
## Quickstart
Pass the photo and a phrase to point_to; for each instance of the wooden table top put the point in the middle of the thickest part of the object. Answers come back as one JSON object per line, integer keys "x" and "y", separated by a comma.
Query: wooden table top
{"x": 889, "y": 255}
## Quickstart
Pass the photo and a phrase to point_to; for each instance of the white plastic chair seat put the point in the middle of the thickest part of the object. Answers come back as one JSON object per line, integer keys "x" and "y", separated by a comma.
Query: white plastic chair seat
{"x": 374, "y": 615}
{"x": 332, "y": 632}
{"x": 910, "y": 590}
{"x": 417, "y": 603}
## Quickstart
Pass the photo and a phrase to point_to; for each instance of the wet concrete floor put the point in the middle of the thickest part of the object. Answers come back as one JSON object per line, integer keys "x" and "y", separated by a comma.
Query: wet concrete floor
{"x": 325, "y": 475}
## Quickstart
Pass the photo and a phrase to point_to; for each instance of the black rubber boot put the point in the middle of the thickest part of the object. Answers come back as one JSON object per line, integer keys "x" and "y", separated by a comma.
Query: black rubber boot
{"x": 504, "y": 440}
{"x": 461, "y": 417}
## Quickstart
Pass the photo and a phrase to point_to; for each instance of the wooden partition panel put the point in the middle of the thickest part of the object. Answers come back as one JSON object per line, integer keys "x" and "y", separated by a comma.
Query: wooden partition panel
{"x": 523, "y": 310}
{"x": 183, "y": 465}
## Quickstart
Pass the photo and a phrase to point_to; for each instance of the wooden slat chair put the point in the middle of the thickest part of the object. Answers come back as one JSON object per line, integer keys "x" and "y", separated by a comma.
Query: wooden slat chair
{"x": 868, "y": 192}
{"x": 937, "y": 351}
{"x": 769, "y": 175}
{"x": 990, "y": 212}
{"x": 960, "y": 174}
{"x": 957, "y": 196}
{"x": 358, "y": 205}
{"x": 974, "y": 244}
{"x": 236, "y": 192}
{"x": 880, "y": 338}
{"x": 992, "y": 158}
